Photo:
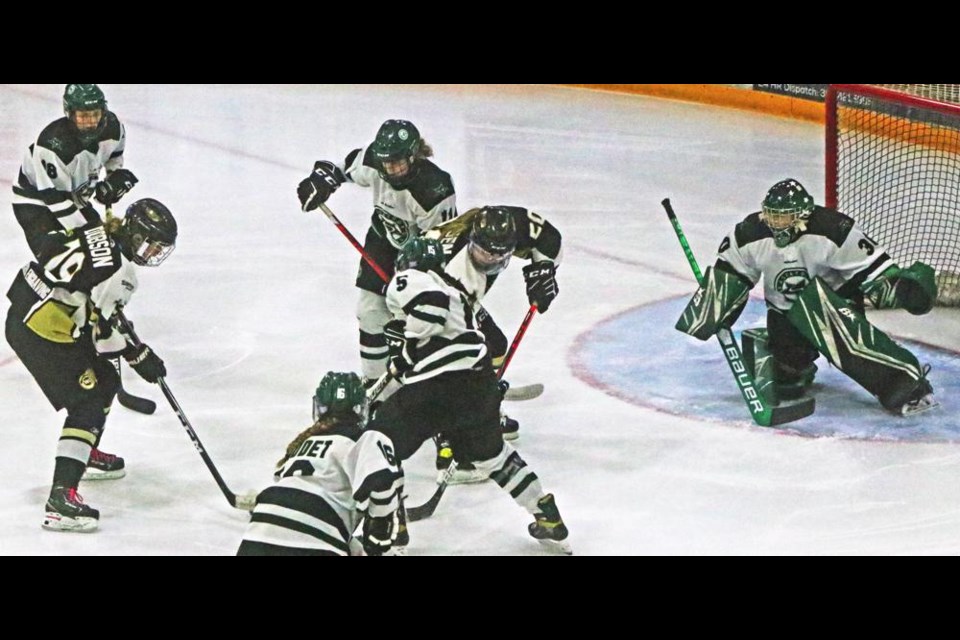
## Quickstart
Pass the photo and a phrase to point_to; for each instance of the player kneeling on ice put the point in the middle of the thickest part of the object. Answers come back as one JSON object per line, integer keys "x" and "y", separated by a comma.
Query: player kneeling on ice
{"x": 62, "y": 323}
{"x": 439, "y": 355}
{"x": 818, "y": 267}
{"x": 332, "y": 475}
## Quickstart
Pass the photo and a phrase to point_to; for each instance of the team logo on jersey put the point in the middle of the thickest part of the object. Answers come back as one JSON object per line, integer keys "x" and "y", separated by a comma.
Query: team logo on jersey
{"x": 790, "y": 282}
{"x": 88, "y": 380}
{"x": 398, "y": 229}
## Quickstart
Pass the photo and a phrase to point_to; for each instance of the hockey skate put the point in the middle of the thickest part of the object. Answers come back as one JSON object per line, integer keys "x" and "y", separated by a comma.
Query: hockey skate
{"x": 509, "y": 428}
{"x": 548, "y": 529}
{"x": 103, "y": 466}
{"x": 921, "y": 398}
{"x": 67, "y": 512}
{"x": 465, "y": 473}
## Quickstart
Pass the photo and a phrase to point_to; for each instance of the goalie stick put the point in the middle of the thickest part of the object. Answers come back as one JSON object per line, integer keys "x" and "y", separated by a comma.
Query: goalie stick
{"x": 762, "y": 411}
{"x": 247, "y": 501}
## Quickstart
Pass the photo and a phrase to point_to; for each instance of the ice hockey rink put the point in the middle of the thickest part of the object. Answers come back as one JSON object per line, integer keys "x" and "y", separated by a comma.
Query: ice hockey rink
{"x": 641, "y": 433}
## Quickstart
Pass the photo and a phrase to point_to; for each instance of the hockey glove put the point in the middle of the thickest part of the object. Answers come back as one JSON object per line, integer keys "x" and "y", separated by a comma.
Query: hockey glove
{"x": 145, "y": 362}
{"x": 394, "y": 332}
{"x": 541, "y": 280}
{"x": 379, "y": 534}
{"x": 319, "y": 185}
{"x": 116, "y": 185}
{"x": 913, "y": 289}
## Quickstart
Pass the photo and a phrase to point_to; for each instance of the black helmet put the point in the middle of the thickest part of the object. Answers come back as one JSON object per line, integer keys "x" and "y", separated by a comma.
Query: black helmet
{"x": 493, "y": 238}
{"x": 420, "y": 253}
{"x": 151, "y": 232}
{"x": 395, "y": 151}
{"x": 85, "y": 97}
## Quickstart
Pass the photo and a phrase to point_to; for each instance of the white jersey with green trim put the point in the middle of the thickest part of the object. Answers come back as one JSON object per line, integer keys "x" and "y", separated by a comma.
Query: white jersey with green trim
{"x": 322, "y": 492}
{"x": 831, "y": 246}
{"x": 440, "y": 325}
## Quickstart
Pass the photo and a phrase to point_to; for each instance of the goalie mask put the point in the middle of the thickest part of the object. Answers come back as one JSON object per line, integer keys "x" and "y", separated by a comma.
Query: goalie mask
{"x": 340, "y": 394}
{"x": 86, "y": 108}
{"x": 785, "y": 210}
{"x": 493, "y": 238}
{"x": 395, "y": 151}
{"x": 149, "y": 232}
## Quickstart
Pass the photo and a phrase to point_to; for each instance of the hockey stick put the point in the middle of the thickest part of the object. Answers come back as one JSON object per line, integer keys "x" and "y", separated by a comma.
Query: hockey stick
{"x": 124, "y": 397}
{"x": 377, "y": 387}
{"x": 525, "y": 392}
{"x": 349, "y": 236}
{"x": 763, "y": 412}
{"x": 245, "y": 502}
{"x": 426, "y": 509}
{"x": 516, "y": 340}
{"x": 127, "y": 399}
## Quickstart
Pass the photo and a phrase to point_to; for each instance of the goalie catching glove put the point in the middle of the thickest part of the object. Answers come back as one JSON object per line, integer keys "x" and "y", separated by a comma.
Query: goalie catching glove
{"x": 716, "y": 304}
{"x": 115, "y": 186}
{"x": 145, "y": 362}
{"x": 913, "y": 289}
{"x": 319, "y": 185}
{"x": 541, "y": 278}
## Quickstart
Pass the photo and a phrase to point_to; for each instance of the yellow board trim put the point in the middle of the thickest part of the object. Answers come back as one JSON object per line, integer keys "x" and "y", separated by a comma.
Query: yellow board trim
{"x": 724, "y": 96}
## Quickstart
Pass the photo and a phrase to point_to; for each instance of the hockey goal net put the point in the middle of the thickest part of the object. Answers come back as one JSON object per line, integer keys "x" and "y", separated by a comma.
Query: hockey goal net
{"x": 893, "y": 164}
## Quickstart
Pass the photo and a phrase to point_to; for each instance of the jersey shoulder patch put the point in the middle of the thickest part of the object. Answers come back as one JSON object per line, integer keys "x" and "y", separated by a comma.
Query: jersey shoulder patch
{"x": 830, "y": 224}
{"x": 751, "y": 229}
{"x": 58, "y": 137}
{"x": 431, "y": 186}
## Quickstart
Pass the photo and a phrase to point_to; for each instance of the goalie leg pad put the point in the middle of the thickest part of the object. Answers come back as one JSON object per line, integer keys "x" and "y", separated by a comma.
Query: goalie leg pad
{"x": 716, "y": 304}
{"x": 853, "y": 345}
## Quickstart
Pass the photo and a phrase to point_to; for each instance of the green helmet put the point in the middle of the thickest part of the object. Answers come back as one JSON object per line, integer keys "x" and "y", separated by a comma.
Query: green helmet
{"x": 493, "y": 238}
{"x": 85, "y": 97}
{"x": 340, "y": 394}
{"x": 422, "y": 254}
{"x": 785, "y": 210}
{"x": 397, "y": 141}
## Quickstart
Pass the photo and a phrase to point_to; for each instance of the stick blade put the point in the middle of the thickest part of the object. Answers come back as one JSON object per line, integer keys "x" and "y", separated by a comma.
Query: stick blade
{"x": 425, "y": 510}
{"x": 525, "y": 392}
{"x": 136, "y": 403}
{"x": 790, "y": 411}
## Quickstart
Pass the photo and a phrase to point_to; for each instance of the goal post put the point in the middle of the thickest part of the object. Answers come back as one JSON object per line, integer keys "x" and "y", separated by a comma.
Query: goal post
{"x": 893, "y": 164}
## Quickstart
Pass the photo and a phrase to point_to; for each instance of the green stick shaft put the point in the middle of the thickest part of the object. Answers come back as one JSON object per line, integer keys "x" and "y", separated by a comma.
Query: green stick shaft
{"x": 683, "y": 240}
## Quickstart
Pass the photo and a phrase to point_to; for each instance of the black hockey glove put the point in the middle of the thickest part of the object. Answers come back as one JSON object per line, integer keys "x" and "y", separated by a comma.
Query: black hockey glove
{"x": 116, "y": 185}
{"x": 145, "y": 362}
{"x": 379, "y": 534}
{"x": 541, "y": 280}
{"x": 319, "y": 185}
{"x": 393, "y": 331}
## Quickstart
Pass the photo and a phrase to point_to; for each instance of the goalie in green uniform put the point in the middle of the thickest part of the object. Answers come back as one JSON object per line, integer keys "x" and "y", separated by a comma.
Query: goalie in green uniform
{"x": 819, "y": 268}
